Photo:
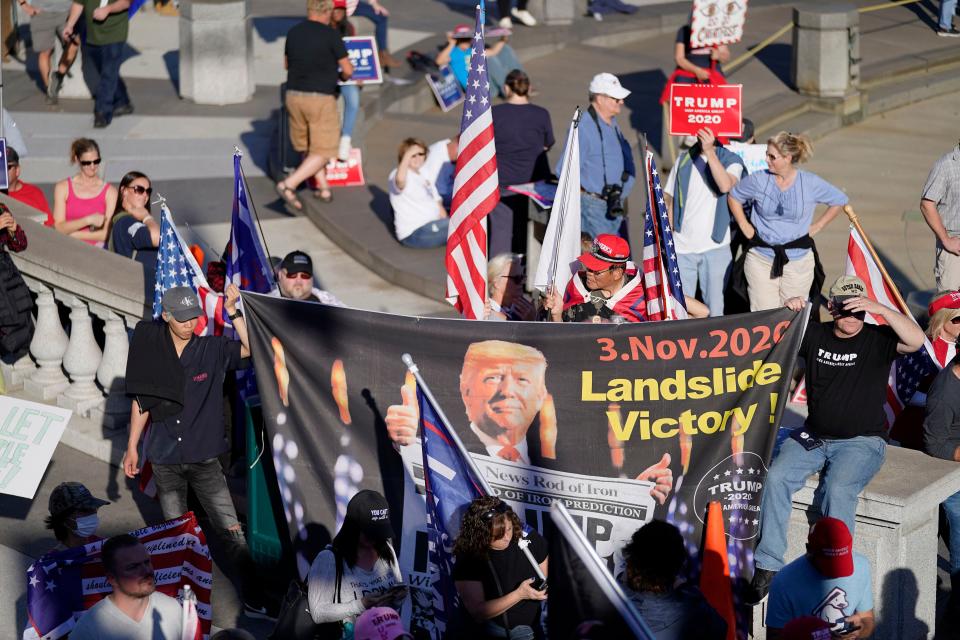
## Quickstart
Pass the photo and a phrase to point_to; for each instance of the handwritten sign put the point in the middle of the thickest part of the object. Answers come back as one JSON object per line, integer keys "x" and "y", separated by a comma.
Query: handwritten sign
{"x": 754, "y": 155}
{"x": 716, "y": 22}
{"x": 694, "y": 106}
{"x": 363, "y": 54}
{"x": 29, "y": 433}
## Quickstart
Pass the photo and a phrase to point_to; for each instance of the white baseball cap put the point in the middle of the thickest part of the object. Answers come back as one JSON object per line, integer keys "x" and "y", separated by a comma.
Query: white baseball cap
{"x": 609, "y": 85}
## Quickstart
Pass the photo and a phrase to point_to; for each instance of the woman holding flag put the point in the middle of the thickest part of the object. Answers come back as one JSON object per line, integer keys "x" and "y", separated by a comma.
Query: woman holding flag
{"x": 496, "y": 581}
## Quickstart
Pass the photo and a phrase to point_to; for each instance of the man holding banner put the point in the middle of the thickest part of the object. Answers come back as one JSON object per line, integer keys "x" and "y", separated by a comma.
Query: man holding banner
{"x": 847, "y": 361}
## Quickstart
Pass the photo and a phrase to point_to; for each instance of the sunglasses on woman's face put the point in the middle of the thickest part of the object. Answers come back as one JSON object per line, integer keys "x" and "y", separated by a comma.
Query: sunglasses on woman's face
{"x": 87, "y": 163}
{"x": 493, "y": 512}
{"x": 955, "y": 320}
{"x": 140, "y": 189}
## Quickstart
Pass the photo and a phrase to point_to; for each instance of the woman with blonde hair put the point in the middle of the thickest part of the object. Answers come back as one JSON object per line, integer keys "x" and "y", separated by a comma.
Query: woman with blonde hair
{"x": 82, "y": 203}
{"x": 781, "y": 261}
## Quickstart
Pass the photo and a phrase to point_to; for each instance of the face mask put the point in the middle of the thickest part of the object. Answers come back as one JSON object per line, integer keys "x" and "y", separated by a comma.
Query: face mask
{"x": 86, "y": 526}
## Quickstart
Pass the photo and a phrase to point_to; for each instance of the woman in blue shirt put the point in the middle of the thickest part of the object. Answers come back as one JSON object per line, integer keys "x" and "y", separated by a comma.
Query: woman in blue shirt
{"x": 782, "y": 260}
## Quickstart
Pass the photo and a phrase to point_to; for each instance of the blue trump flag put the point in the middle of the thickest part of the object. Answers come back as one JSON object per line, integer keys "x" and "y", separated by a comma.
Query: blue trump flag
{"x": 452, "y": 482}
{"x": 246, "y": 261}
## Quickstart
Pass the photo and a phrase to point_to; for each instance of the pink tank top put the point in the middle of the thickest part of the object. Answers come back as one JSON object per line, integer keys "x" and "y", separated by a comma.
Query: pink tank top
{"x": 78, "y": 207}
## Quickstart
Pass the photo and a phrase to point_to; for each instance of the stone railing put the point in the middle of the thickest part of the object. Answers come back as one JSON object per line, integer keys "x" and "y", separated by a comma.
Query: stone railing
{"x": 87, "y": 300}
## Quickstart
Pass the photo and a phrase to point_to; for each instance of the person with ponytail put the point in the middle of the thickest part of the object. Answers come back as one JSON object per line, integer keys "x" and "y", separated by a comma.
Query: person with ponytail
{"x": 782, "y": 261}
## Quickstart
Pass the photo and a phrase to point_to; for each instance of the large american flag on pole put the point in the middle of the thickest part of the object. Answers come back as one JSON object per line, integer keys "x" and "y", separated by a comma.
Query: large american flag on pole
{"x": 476, "y": 189}
{"x": 61, "y": 586}
{"x": 907, "y": 371}
{"x": 661, "y": 274}
{"x": 176, "y": 267}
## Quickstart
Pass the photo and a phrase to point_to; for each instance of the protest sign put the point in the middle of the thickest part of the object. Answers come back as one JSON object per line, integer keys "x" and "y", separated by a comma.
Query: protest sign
{"x": 597, "y": 410}
{"x": 716, "y": 22}
{"x": 694, "y": 106}
{"x": 4, "y": 179}
{"x": 754, "y": 156}
{"x": 29, "y": 433}
{"x": 445, "y": 88}
{"x": 363, "y": 54}
{"x": 346, "y": 173}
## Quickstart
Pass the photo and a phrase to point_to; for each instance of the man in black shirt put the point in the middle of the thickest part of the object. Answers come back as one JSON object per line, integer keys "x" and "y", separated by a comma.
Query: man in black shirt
{"x": 176, "y": 381}
{"x": 295, "y": 280}
{"x": 848, "y": 364}
{"x": 315, "y": 59}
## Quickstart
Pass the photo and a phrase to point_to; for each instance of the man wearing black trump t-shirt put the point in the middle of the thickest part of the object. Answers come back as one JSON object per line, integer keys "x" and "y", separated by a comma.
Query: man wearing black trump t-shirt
{"x": 848, "y": 363}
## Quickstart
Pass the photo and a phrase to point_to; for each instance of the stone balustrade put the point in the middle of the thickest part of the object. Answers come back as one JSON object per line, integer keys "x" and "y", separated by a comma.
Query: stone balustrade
{"x": 87, "y": 301}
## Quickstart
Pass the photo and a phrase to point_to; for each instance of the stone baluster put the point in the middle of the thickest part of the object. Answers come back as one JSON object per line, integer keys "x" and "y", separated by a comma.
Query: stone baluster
{"x": 115, "y": 412}
{"x": 14, "y": 374}
{"x": 81, "y": 361}
{"x": 47, "y": 347}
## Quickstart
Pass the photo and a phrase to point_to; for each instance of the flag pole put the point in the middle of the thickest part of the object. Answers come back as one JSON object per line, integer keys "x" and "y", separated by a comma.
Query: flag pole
{"x": 855, "y": 221}
{"x": 415, "y": 370}
{"x": 565, "y": 170}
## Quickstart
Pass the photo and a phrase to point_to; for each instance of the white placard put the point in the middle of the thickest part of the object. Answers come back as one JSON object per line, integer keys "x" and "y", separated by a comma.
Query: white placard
{"x": 29, "y": 433}
{"x": 754, "y": 155}
{"x": 716, "y": 22}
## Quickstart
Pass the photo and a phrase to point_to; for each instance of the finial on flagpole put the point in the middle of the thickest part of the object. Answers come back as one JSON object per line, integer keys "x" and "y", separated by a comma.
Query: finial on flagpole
{"x": 237, "y": 151}
{"x": 576, "y": 117}
{"x": 160, "y": 200}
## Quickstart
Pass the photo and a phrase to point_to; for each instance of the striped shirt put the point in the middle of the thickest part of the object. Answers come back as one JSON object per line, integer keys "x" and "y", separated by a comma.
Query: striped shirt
{"x": 943, "y": 189}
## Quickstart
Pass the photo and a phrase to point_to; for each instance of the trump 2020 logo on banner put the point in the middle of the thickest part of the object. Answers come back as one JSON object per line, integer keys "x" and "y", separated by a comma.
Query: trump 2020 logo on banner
{"x": 363, "y": 54}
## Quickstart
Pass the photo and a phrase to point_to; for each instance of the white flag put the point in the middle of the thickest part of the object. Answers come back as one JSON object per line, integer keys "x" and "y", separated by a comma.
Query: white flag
{"x": 561, "y": 244}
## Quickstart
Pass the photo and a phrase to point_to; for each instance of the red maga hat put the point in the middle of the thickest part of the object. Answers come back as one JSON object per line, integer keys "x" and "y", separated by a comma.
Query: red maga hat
{"x": 949, "y": 300}
{"x": 830, "y": 546}
{"x": 608, "y": 251}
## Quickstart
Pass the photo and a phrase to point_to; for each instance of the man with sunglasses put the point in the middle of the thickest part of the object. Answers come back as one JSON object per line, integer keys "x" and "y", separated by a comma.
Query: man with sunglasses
{"x": 847, "y": 365}
{"x": 607, "y": 170}
{"x": 27, "y": 193}
{"x": 295, "y": 278}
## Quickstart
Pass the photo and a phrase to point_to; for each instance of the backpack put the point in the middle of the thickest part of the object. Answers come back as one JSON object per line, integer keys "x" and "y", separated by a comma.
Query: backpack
{"x": 295, "y": 621}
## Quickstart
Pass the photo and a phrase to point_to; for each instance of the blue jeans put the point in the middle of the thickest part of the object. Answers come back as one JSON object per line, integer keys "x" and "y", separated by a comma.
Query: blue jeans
{"x": 594, "y": 219}
{"x": 433, "y": 234}
{"x": 364, "y": 10}
{"x": 351, "y": 105}
{"x": 111, "y": 91}
{"x": 499, "y": 66}
{"x": 845, "y": 466}
{"x": 951, "y": 509}
{"x": 947, "y": 9}
{"x": 711, "y": 268}
{"x": 521, "y": 632}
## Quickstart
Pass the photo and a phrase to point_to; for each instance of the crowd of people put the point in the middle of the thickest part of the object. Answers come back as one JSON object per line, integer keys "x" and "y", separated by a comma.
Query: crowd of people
{"x": 740, "y": 235}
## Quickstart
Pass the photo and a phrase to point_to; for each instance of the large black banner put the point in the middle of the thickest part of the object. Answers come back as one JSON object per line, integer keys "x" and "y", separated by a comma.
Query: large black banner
{"x": 623, "y": 423}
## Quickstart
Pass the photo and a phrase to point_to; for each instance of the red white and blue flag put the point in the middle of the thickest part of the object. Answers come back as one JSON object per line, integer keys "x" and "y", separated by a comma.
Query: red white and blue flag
{"x": 176, "y": 267}
{"x": 907, "y": 371}
{"x": 246, "y": 260}
{"x": 476, "y": 189}
{"x": 62, "y": 586}
{"x": 451, "y": 484}
{"x": 662, "y": 287}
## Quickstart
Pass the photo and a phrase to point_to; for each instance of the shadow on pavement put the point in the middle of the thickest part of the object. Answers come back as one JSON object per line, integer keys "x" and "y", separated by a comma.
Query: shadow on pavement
{"x": 646, "y": 114}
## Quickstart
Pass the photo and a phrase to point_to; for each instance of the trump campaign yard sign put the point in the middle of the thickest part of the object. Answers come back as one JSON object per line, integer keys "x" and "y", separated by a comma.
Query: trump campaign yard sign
{"x": 694, "y": 106}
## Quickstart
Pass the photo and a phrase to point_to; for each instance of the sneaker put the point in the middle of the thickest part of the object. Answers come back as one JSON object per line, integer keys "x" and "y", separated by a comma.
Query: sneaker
{"x": 523, "y": 17}
{"x": 759, "y": 586}
{"x": 343, "y": 153}
{"x": 125, "y": 110}
{"x": 100, "y": 121}
{"x": 505, "y": 23}
{"x": 598, "y": 16}
{"x": 948, "y": 33}
{"x": 258, "y": 612}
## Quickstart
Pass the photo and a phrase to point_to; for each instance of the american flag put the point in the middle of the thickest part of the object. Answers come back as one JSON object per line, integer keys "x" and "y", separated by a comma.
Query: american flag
{"x": 908, "y": 371}
{"x": 176, "y": 267}
{"x": 61, "y": 586}
{"x": 476, "y": 189}
{"x": 661, "y": 274}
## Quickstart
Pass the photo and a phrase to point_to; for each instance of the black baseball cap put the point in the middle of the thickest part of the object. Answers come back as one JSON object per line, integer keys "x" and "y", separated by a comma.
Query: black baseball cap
{"x": 12, "y": 156}
{"x": 369, "y": 511}
{"x": 297, "y": 262}
{"x": 69, "y": 496}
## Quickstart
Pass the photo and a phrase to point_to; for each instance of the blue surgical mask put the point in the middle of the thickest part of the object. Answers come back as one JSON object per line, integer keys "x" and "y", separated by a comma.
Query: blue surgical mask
{"x": 86, "y": 525}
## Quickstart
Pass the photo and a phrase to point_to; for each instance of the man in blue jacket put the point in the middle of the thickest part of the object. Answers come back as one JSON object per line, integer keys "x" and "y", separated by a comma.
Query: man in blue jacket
{"x": 695, "y": 195}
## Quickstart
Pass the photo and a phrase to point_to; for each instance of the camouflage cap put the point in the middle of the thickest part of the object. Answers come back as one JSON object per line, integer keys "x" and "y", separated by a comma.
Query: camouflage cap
{"x": 72, "y": 495}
